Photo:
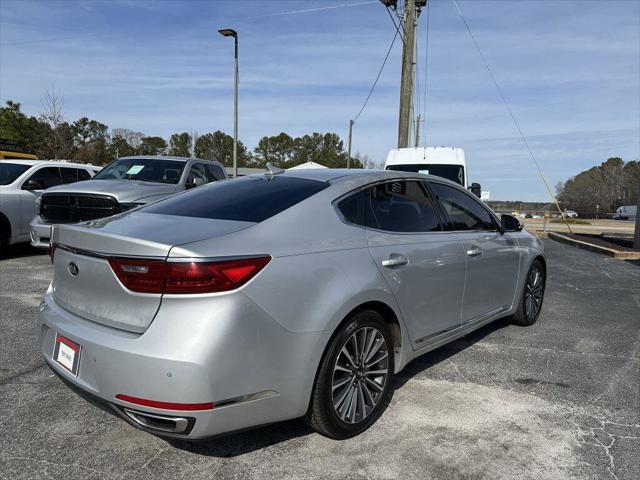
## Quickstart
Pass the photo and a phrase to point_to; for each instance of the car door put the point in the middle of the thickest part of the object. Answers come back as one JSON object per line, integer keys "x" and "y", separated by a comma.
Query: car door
{"x": 31, "y": 189}
{"x": 422, "y": 264}
{"x": 492, "y": 257}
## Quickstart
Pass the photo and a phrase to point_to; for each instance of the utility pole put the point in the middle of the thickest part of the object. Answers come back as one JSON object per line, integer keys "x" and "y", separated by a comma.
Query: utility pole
{"x": 351, "y": 122}
{"x": 410, "y": 18}
{"x": 418, "y": 131}
{"x": 636, "y": 237}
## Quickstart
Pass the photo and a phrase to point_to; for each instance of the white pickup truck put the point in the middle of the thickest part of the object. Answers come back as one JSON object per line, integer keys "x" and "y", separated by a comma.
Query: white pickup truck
{"x": 21, "y": 184}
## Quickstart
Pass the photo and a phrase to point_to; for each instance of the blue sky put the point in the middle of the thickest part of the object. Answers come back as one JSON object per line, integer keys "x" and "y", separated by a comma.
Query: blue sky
{"x": 569, "y": 69}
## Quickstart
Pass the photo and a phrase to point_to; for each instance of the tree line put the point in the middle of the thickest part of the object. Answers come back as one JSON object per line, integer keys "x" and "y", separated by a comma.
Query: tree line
{"x": 85, "y": 140}
{"x": 601, "y": 189}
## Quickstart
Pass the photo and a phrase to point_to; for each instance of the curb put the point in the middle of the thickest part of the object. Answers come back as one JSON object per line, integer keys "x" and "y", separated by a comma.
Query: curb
{"x": 594, "y": 248}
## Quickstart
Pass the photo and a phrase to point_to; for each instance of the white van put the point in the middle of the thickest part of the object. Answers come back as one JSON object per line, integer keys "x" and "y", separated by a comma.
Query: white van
{"x": 626, "y": 212}
{"x": 446, "y": 162}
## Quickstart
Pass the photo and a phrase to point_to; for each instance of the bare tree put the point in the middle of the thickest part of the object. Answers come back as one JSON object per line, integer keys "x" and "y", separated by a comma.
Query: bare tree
{"x": 132, "y": 137}
{"x": 52, "y": 115}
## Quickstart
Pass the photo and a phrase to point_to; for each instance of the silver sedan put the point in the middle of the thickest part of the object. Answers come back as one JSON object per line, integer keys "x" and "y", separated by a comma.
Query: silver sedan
{"x": 278, "y": 296}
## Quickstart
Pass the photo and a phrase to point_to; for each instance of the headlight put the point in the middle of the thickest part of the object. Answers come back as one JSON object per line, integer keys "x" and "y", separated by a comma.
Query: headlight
{"x": 38, "y": 203}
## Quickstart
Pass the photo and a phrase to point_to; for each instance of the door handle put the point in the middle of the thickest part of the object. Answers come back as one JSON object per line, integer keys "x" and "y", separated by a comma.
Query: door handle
{"x": 474, "y": 252}
{"x": 394, "y": 261}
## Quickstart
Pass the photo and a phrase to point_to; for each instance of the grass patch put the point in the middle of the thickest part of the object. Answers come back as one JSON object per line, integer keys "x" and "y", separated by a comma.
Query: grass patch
{"x": 571, "y": 221}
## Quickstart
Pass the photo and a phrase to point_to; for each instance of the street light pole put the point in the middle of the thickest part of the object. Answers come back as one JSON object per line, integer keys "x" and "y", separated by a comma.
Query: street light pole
{"x": 228, "y": 32}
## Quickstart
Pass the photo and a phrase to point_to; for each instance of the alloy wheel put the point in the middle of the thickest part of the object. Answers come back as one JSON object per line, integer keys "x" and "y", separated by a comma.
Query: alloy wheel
{"x": 534, "y": 290}
{"x": 360, "y": 374}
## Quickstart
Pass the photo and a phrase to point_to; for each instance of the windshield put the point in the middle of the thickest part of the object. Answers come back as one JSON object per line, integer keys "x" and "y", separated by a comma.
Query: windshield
{"x": 143, "y": 169}
{"x": 10, "y": 171}
{"x": 455, "y": 173}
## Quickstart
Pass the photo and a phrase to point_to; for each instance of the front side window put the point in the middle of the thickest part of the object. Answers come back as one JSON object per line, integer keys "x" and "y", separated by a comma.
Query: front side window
{"x": 463, "y": 211}
{"x": 45, "y": 178}
{"x": 153, "y": 170}
{"x": 9, "y": 172}
{"x": 246, "y": 199}
{"x": 197, "y": 176}
{"x": 401, "y": 206}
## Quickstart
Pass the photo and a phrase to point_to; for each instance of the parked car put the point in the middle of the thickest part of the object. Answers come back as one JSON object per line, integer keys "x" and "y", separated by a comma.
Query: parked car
{"x": 123, "y": 184}
{"x": 626, "y": 212}
{"x": 570, "y": 214}
{"x": 278, "y": 296}
{"x": 21, "y": 184}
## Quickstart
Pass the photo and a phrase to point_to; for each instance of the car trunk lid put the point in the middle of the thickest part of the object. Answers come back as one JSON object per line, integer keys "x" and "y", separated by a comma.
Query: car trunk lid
{"x": 84, "y": 282}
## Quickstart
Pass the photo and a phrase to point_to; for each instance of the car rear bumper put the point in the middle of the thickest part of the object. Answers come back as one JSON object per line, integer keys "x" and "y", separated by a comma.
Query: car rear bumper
{"x": 40, "y": 233}
{"x": 251, "y": 369}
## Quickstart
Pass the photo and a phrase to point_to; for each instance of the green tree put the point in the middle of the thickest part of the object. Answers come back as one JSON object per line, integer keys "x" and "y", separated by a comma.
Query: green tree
{"x": 180, "y": 144}
{"x": 18, "y": 128}
{"x": 91, "y": 139}
{"x": 326, "y": 149}
{"x": 277, "y": 149}
{"x": 152, "y": 146}
{"x": 119, "y": 147}
{"x": 603, "y": 188}
{"x": 219, "y": 146}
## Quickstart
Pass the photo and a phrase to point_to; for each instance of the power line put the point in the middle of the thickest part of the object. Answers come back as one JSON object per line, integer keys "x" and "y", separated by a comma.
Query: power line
{"x": 513, "y": 117}
{"x": 393, "y": 41}
{"x": 306, "y": 10}
{"x": 396, "y": 25}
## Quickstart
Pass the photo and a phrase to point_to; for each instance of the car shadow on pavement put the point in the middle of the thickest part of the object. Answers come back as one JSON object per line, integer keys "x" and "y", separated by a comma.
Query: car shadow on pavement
{"x": 443, "y": 353}
{"x": 20, "y": 250}
{"x": 248, "y": 441}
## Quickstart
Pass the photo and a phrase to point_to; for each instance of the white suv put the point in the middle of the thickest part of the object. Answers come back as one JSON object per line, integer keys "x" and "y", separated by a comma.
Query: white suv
{"x": 21, "y": 183}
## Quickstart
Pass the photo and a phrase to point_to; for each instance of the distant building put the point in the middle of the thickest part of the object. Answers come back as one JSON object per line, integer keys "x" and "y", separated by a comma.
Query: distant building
{"x": 485, "y": 195}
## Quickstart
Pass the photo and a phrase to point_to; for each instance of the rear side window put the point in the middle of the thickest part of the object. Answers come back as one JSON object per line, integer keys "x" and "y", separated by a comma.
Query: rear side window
{"x": 69, "y": 175}
{"x": 215, "y": 173}
{"x": 83, "y": 175}
{"x": 247, "y": 199}
{"x": 401, "y": 206}
{"x": 352, "y": 207}
{"x": 463, "y": 211}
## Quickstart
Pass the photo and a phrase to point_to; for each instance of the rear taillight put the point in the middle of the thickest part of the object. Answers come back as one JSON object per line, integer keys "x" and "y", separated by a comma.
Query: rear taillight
{"x": 52, "y": 251}
{"x": 144, "y": 276}
{"x": 154, "y": 276}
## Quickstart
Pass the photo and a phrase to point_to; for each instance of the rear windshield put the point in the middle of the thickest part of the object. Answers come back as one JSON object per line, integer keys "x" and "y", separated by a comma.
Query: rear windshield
{"x": 10, "y": 171}
{"x": 247, "y": 199}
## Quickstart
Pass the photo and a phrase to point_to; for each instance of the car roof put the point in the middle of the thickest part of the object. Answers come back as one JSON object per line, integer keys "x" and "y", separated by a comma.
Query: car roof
{"x": 167, "y": 157}
{"x": 57, "y": 163}
{"x": 363, "y": 176}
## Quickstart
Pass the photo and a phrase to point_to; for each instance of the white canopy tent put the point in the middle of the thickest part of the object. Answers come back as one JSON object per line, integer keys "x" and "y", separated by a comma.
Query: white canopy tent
{"x": 307, "y": 165}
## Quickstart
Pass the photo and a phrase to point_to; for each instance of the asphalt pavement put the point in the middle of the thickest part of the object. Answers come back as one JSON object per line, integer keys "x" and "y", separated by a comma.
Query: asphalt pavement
{"x": 560, "y": 399}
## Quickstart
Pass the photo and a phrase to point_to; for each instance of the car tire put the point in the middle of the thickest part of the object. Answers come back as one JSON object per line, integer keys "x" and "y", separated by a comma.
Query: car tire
{"x": 350, "y": 393}
{"x": 4, "y": 242}
{"x": 532, "y": 295}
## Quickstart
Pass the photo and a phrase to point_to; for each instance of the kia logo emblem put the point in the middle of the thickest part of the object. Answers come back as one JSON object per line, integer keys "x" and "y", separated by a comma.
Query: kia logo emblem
{"x": 73, "y": 269}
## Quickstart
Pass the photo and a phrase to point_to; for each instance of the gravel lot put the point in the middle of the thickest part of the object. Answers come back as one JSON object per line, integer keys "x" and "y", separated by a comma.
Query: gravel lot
{"x": 560, "y": 399}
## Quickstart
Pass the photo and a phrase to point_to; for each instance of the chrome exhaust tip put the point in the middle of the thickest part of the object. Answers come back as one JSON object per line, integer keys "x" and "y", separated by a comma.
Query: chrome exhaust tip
{"x": 160, "y": 423}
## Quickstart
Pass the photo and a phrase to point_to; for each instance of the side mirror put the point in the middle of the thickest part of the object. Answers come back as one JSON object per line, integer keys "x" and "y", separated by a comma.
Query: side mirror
{"x": 32, "y": 184}
{"x": 476, "y": 189}
{"x": 510, "y": 223}
{"x": 194, "y": 182}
